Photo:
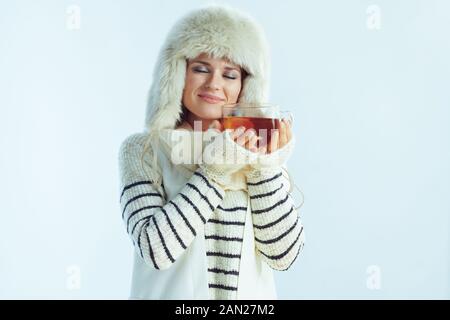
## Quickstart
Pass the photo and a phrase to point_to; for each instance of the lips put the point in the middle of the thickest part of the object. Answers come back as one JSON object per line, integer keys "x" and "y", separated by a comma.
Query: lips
{"x": 210, "y": 98}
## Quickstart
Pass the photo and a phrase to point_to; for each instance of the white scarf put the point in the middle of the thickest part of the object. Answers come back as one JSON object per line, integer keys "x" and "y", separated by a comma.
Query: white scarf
{"x": 191, "y": 144}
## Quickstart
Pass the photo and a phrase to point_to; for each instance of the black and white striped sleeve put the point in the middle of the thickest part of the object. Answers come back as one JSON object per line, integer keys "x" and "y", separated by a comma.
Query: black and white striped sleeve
{"x": 161, "y": 230}
{"x": 278, "y": 229}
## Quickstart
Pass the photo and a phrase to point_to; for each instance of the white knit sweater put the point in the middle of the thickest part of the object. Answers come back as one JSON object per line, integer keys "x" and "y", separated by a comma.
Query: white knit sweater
{"x": 162, "y": 229}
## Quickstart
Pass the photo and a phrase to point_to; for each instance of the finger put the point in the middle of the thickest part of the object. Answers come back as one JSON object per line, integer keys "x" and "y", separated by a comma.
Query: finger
{"x": 236, "y": 133}
{"x": 218, "y": 125}
{"x": 250, "y": 136}
{"x": 263, "y": 134}
{"x": 290, "y": 121}
{"x": 246, "y": 136}
{"x": 283, "y": 136}
{"x": 251, "y": 145}
{"x": 215, "y": 125}
{"x": 274, "y": 141}
{"x": 262, "y": 150}
{"x": 241, "y": 139}
{"x": 289, "y": 131}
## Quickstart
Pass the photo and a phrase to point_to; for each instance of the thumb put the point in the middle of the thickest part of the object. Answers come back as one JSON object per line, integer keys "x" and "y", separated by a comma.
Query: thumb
{"x": 216, "y": 125}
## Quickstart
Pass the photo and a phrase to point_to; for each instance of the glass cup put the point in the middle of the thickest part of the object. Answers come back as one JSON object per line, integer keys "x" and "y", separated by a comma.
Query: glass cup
{"x": 263, "y": 118}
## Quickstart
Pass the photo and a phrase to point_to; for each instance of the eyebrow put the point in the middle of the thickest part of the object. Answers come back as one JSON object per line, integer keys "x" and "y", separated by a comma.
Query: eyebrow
{"x": 208, "y": 64}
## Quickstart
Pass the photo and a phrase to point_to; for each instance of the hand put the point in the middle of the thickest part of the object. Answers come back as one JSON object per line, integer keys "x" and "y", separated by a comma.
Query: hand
{"x": 245, "y": 138}
{"x": 248, "y": 138}
{"x": 222, "y": 157}
{"x": 279, "y": 149}
{"x": 279, "y": 138}
{"x": 231, "y": 146}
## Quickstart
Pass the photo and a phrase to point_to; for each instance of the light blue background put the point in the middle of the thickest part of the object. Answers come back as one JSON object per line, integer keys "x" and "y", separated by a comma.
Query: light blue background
{"x": 371, "y": 112}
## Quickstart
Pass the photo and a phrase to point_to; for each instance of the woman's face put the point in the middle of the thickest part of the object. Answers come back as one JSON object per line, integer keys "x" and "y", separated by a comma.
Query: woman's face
{"x": 210, "y": 83}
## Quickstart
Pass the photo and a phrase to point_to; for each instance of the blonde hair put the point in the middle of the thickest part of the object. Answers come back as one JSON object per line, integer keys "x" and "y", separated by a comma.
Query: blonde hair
{"x": 152, "y": 137}
{"x": 149, "y": 158}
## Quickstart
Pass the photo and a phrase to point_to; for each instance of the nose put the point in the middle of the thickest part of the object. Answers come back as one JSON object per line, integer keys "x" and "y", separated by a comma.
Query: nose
{"x": 214, "y": 81}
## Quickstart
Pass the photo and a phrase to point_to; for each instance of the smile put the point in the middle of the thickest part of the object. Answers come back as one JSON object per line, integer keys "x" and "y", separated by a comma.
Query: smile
{"x": 210, "y": 99}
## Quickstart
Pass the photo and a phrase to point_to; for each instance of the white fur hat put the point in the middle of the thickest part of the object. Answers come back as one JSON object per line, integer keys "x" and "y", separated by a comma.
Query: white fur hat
{"x": 221, "y": 32}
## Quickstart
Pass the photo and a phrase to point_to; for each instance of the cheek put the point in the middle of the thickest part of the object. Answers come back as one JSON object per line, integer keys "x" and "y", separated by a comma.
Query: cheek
{"x": 193, "y": 82}
{"x": 233, "y": 91}
{"x": 190, "y": 87}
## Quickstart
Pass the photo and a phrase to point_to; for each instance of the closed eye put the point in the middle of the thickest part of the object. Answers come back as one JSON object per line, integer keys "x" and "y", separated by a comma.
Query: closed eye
{"x": 203, "y": 70}
{"x": 200, "y": 70}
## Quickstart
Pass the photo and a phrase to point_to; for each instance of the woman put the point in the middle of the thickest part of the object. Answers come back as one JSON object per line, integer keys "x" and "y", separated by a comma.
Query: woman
{"x": 208, "y": 229}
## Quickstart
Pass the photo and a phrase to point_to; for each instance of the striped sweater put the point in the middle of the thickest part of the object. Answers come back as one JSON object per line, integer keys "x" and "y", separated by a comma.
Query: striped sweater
{"x": 162, "y": 229}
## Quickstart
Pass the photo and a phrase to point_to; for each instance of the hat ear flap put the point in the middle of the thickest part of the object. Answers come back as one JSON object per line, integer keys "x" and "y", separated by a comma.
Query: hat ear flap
{"x": 253, "y": 90}
{"x": 166, "y": 94}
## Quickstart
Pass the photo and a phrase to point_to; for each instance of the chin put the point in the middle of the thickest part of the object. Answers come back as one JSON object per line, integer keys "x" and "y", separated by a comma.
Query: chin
{"x": 206, "y": 115}
{"x": 210, "y": 116}
{"x": 214, "y": 111}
